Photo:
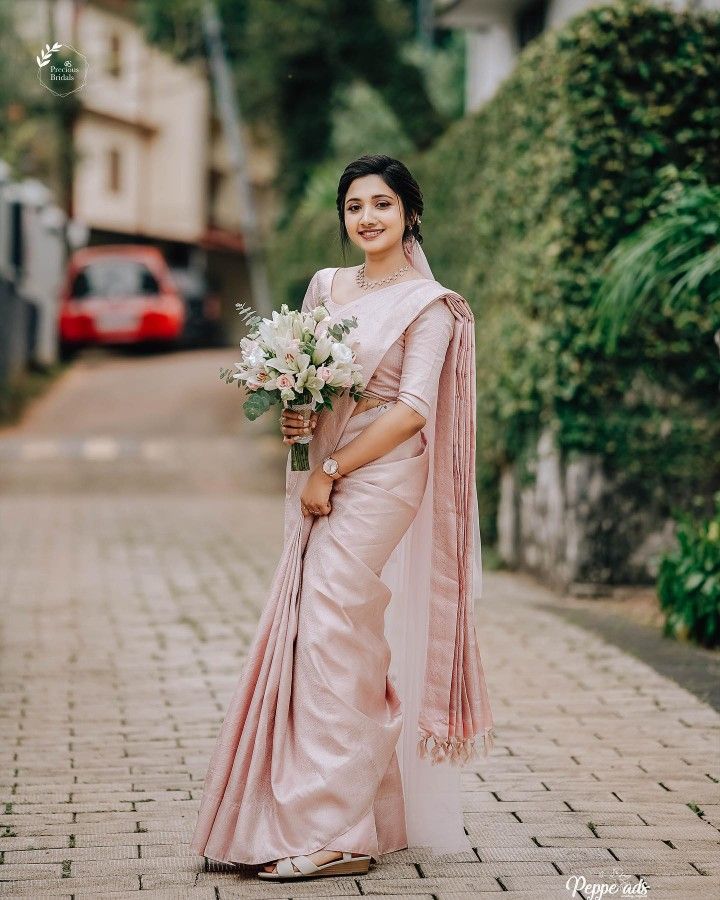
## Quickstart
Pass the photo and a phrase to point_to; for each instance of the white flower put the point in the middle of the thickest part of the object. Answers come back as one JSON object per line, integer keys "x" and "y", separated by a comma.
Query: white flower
{"x": 275, "y": 331}
{"x": 341, "y": 353}
{"x": 289, "y": 358}
{"x": 302, "y": 377}
{"x": 322, "y": 350}
{"x": 256, "y": 378}
{"x": 254, "y": 357}
{"x": 320, "y": 313}
{"x": 340, "y": 375}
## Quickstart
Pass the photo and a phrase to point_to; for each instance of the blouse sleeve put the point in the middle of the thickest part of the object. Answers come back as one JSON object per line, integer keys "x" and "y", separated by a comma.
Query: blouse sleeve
{"x": 310, "y": 295}
{"x": 427, "y": 339}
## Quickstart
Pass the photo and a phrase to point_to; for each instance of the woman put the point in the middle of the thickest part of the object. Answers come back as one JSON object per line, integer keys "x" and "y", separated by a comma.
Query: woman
{"x": 369, "y": 629}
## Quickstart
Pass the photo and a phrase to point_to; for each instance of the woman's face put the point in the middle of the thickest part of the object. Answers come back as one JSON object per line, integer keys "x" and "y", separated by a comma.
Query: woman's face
{"x": 374, "y": 216}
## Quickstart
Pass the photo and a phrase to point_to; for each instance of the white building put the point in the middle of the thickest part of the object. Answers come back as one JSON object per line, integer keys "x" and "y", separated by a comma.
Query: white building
{"x": 497, "y": 30}
{"x": 151, "y": 161}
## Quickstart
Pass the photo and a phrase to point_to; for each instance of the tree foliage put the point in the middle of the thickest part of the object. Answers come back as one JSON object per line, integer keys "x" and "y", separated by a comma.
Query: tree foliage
{"x": 290, "y": 58}
{"x": 524, "y": 202}
{"x": 671, "y": 264}
{"x": 36, "y": 126}
{"x": 531, "y": 195}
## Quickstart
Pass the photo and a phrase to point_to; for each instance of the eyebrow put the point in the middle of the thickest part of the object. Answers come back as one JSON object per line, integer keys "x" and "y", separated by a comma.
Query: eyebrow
{"x": 374, "y": 197}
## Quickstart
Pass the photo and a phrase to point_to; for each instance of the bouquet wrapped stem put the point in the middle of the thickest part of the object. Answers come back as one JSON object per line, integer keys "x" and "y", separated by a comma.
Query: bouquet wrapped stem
{"x": 299, "y": 458}
{"x": 300, "y": 452}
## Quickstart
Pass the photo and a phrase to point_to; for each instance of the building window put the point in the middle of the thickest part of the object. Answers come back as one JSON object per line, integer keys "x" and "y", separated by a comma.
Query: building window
{"x": 114, "y": 67}
{"x": 113, "y": 170}
{"x": 530, "y": 21}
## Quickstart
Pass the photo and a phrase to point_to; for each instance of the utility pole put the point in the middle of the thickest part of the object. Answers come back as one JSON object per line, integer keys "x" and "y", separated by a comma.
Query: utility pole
{"x": 231, "y": 117}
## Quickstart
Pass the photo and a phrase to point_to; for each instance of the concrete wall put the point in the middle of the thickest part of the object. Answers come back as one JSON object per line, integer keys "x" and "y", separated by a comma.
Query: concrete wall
{"x": 490, "y": 57}
{"x": 574, "y": 526}
{"x": 32, "y": 261}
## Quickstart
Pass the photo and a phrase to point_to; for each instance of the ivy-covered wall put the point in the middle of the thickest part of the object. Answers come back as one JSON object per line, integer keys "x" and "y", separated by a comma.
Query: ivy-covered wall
{"x": 531, "y": 194}
{"x": 523, "y": 202}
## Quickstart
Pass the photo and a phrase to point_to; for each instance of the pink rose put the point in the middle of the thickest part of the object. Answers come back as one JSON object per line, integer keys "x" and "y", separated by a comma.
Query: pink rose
{"x": 285, "y": 381}
{"x": 324, "y": 373}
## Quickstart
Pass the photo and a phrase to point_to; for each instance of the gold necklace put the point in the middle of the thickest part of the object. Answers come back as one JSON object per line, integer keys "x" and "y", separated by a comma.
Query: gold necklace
{"x": 365, "y": 285}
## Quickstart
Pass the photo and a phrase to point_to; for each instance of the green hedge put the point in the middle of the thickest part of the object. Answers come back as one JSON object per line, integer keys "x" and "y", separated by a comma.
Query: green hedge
{"x": 531, "y": 194}
{"x": 523, "y": 202}
{"x": 689, "y": 582}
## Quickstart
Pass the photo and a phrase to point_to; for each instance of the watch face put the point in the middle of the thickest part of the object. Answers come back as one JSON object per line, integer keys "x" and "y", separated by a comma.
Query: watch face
{"x": 330, "y": 466}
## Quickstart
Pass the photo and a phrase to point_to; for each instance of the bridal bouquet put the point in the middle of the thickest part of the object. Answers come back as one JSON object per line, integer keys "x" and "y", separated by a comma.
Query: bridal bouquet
{"x": 296, "y": 359}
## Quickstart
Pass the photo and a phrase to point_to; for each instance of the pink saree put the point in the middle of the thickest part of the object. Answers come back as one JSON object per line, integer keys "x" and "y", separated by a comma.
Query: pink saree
{"x": 339, "y": 678}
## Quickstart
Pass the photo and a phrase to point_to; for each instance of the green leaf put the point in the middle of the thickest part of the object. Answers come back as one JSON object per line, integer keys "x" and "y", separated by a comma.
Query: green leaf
{"x": 257, "y": 403}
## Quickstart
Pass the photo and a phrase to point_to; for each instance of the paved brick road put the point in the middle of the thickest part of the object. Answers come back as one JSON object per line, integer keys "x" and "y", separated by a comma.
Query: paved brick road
{"x": 135, "y": 552}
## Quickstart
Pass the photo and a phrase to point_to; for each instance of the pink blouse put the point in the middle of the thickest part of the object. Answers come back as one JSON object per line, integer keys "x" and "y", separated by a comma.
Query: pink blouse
{"x": 410, "y": 370}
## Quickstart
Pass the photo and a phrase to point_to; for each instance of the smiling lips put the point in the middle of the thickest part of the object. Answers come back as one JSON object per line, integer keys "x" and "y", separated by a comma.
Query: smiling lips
{"x": 369, "y": 235}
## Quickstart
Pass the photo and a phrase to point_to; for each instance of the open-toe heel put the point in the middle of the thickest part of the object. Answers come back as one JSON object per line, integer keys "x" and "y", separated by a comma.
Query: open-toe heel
{"x": 348, "y": 865}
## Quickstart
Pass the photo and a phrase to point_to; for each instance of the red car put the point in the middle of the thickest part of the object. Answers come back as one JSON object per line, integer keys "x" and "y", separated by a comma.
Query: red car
{"x": 120, "y": 294}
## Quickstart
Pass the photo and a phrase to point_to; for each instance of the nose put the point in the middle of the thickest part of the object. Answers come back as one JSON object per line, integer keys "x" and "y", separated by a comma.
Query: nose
{"x": 367, "y": 220}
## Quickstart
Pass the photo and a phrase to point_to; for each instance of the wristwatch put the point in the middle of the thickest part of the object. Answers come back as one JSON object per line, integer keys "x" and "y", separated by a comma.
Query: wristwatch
{"x": 331, "y": 467}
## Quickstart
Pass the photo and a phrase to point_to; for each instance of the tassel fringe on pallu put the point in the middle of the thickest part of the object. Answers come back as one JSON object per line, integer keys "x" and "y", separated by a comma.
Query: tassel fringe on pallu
{"x": 457, "y": 751}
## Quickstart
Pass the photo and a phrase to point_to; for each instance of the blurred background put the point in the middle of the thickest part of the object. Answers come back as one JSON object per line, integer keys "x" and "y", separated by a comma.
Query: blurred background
{"x": 568, "y": 153}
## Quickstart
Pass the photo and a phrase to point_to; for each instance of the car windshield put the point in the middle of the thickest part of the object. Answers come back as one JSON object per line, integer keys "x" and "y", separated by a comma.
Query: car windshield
{"x": 115, "y": 278}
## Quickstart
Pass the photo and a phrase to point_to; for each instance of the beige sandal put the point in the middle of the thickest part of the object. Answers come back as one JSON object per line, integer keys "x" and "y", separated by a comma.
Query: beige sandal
{"x": 348, "y": 865}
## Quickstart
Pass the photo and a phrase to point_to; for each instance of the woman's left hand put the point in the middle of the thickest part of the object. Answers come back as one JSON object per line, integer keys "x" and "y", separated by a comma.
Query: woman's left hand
{"x": 315, "y": 498}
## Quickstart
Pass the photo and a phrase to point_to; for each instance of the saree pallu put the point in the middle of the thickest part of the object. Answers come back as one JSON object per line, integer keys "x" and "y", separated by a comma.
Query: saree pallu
{"x": 306, "y": 758}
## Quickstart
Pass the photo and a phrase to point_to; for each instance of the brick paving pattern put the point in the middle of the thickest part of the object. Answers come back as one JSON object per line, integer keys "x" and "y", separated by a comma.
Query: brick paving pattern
{"x": 130, "y": 585}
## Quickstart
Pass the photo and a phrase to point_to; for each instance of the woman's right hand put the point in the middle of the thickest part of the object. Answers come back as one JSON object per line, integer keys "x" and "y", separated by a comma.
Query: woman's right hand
{"x": 292, "y": 422}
